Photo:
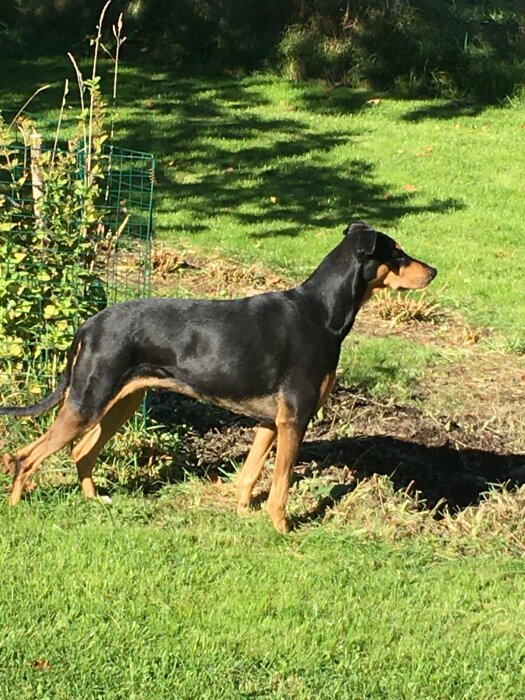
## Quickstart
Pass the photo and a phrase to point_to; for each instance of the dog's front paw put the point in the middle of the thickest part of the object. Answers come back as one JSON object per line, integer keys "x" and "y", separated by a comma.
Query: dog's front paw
{"x": 282, "y": 526}
{"x": 280, "y": 522}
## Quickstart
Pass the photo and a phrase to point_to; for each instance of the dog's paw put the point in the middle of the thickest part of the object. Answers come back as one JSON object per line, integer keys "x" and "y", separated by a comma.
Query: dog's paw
{"x": 280, "y": 522}
{"x": 7, "y": 465}
{"x": 243, "y": 509}
{"x": 282, "y": 526}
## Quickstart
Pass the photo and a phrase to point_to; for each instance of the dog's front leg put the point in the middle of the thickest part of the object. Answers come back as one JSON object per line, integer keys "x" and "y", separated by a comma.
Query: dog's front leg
{"x": 289, "y": 438}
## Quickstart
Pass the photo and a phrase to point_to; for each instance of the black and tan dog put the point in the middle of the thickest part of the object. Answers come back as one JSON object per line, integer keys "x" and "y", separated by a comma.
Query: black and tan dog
{"x": 272, "y": 356}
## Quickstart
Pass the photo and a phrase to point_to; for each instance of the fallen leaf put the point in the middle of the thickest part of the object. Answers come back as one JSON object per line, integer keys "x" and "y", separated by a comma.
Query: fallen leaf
{"x": 41, "y": 665}
{"x": 410, "y": 188}
{"x": 273, "y": 199}
{"x": 374, "y": 101}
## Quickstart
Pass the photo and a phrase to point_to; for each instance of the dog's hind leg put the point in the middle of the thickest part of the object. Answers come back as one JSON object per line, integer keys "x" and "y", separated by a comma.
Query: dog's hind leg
{"x": 68, "y": 425}
{"x": 85, "y": 452}
{"x": 253, "y": 466}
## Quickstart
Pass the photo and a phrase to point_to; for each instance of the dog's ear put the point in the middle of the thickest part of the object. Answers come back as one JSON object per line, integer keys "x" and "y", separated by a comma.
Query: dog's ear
{"x": 364, "y": 237}
{"x": 354, "y": 227}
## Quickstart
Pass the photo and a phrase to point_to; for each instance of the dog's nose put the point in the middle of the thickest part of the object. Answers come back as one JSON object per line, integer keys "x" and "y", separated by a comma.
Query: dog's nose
{"x": 432, "y": 272}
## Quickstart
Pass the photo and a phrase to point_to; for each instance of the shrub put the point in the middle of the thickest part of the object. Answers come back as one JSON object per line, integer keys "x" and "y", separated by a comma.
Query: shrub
{"x": 50, "y": 229}
{"x": 424, "y": 47}
{"x": 436, "y": 47}
{"x": 51, "y": 226}
{"x": 309, "y": 51}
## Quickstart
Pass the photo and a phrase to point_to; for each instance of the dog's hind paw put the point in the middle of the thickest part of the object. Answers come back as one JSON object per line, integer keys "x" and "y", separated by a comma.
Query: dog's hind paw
{"x": 7, "y": 465}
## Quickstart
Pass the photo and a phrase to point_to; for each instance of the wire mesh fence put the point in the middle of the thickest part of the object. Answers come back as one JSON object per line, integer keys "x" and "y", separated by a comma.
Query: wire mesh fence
{"x": 125, "y": 264}
{"x": 62, "y": 258}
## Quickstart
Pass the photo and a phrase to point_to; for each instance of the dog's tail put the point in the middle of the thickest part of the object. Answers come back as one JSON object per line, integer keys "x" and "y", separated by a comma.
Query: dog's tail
{"x": 41, "y": 407}
{"x": 54, "y": 398}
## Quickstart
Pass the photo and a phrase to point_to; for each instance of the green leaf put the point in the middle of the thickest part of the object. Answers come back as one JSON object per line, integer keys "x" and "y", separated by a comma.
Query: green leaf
{"x": 50, "y": 311}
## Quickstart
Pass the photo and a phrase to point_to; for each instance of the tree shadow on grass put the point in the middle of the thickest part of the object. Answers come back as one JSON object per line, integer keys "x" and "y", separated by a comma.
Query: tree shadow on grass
{"x": 20, "y": 79}
{"x": 450, "y": 110}
{"x": 226, "y": 148}
{"x": 333, "y": 101}
{"x": 221, "y": 155}
{"x": 327, "y": 100}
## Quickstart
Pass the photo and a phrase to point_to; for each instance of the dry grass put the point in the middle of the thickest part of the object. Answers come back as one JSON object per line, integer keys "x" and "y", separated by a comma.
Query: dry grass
{"x": 195, "y": 494}
{"x": 408, "y": 307}
{"x": 186, "y": 272}
{"x": 375, "y": 508}
{"x": 500, "y": 515}
{"x": 484, "y": 390}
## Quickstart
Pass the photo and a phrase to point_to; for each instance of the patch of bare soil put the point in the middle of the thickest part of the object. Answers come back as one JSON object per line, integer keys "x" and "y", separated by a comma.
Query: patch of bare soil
{"x": 467, "y": 433}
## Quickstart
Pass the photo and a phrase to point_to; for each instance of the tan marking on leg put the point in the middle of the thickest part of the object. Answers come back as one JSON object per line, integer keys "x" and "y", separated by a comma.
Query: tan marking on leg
{"x": 67, "y": 426}
{"x": 289, "y": 438}
{"x": 84, "y": 469}
{"x": 253, "y": 466}
{"x": 8, "y": 464}
{"x": 85, "y": 452}
{"x": 325, "y": 389}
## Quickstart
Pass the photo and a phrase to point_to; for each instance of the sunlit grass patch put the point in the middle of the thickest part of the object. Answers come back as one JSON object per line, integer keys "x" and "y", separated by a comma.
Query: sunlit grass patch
{"x": 274, "y": 170}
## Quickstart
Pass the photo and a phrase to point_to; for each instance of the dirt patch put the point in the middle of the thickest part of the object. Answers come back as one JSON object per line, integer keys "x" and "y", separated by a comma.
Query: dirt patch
{"x": 445, "y": 461}
{"x": 467, "y": 433}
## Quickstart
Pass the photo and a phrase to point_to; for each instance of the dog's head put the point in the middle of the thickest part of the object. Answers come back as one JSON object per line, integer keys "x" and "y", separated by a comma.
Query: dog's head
{"x": 384, "y": 263}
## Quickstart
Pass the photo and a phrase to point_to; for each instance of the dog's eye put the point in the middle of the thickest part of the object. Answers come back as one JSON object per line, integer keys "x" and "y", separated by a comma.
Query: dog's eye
{"x": 399, "y": 256}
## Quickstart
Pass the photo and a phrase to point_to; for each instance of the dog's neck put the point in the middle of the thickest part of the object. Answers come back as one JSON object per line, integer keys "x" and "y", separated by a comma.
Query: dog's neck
{"x": 337, "y": 283}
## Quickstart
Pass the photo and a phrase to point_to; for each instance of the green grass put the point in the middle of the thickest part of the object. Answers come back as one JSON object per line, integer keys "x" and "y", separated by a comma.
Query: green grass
{"x": 270, "y": 170}
{"x": 386, "y": 367}
{"x": 143, "y": 600}
{"x": 169, "y": 597}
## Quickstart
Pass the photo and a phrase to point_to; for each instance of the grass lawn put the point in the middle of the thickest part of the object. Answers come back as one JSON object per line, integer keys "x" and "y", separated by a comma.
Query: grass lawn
{"x": 149, "y": 600}
{"x": 270, "y": 170}
{"x": 172, "y": 595}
